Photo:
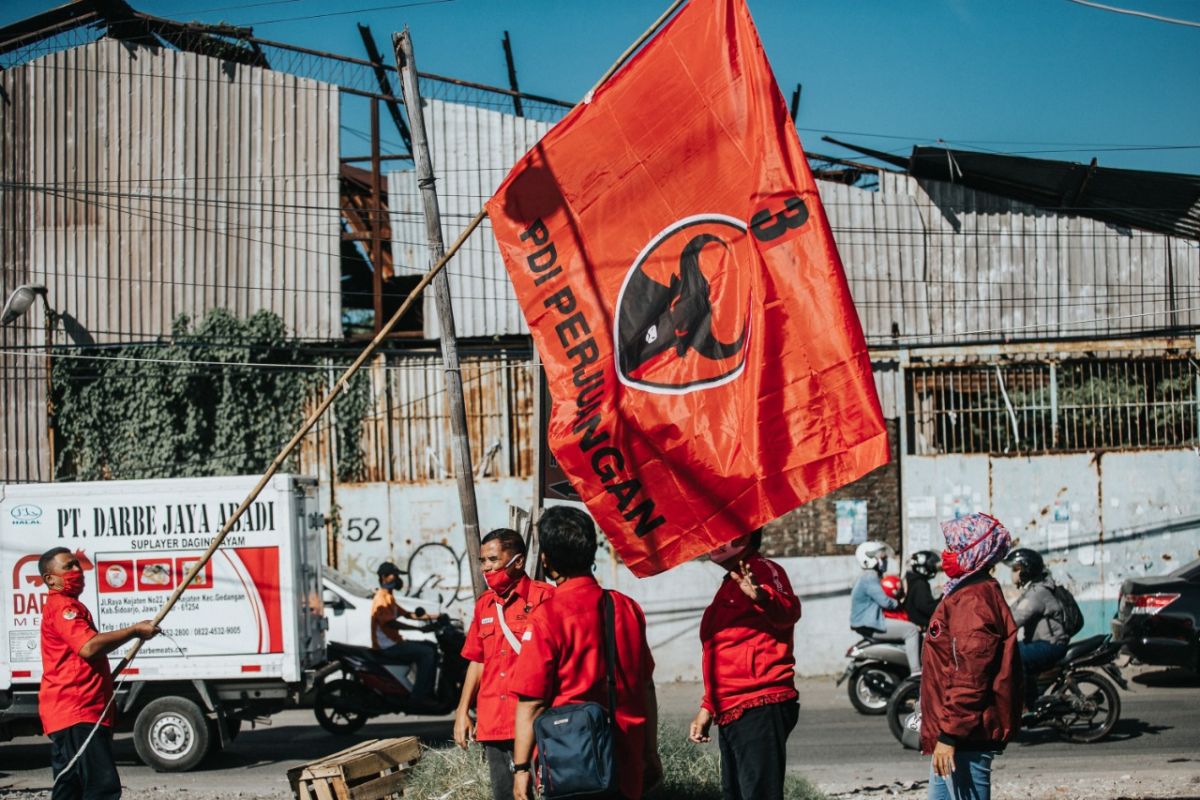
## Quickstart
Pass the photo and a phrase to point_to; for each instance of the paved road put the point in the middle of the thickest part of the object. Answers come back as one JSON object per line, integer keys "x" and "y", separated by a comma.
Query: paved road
{"x": 834, "y": 746}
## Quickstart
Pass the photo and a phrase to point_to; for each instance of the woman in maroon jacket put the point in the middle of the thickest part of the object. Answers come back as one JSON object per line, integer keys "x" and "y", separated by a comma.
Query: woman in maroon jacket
{"x": 971, "y": 673}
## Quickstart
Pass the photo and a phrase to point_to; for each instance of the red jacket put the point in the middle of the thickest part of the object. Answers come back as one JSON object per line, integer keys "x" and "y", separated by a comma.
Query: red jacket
{"x": 748, "y": 657}
{"x": 971, "y": 671}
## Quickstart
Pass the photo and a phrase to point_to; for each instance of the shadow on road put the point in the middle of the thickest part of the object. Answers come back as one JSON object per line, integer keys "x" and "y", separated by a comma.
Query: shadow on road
{"x": 1124, "y": 730}
{"x": 252, "y": 748}
{"x": 1169, "y": 678}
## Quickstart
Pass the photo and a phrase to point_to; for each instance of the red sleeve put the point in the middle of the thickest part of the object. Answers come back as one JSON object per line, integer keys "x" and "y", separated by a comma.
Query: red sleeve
{"x": 647, "y": 656}
{"x": 975, "y": 641}
{"x": 472, "y": 649}
{"x": 71, "y": 624}
{"x": 535, "y": 674}
{"x": 781, "y": 606}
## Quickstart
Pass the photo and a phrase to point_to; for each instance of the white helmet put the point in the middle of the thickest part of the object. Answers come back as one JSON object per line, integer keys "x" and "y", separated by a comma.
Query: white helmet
{"x": 869, "y": 553}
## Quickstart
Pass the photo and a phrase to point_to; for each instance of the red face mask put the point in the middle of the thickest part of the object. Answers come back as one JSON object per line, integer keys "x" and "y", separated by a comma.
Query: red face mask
{"x": 499, "y": 580}
{"x": 950, "y": 564}
{"x": 72, "y": 584}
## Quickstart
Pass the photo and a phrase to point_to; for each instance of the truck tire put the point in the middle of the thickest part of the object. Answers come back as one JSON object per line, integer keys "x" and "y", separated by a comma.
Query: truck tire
{"x": 171, "y": 734}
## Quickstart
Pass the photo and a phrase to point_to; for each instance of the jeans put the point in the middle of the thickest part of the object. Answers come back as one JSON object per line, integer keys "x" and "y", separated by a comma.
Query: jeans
{"x": 754, "y": 752}
{"x": 499, "y": 762}
{"x": 423, "y": 655}
{"x": 899, "y": 630}
{"x": 970, "y": 780}
{"x": 1037, "y": 657}
{"x": 94, "y": 776}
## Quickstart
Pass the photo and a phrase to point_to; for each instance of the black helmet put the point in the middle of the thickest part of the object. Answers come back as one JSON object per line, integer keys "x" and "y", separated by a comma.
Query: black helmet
{"x": 388, "y": 568}
{"x": 925, "y": 563}
{"x": 1030, "y": 563}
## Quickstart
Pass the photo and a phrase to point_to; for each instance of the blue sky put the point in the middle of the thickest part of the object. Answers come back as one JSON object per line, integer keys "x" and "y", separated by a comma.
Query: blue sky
{"x": 1049, "y": 78}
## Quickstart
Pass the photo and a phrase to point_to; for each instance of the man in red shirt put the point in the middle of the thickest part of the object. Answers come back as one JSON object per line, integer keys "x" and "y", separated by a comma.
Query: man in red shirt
{"x": 77, "y": 685}
{"x": 493, "y": 644}
{"x": 749, "y": 671}
{"x": 562, "y": 658}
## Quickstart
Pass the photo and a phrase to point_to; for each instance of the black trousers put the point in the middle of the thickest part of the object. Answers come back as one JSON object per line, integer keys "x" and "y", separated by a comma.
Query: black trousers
{"x": 499, "y": 761}
{"x": 94, "y": 775}
{"x": 754, "y": 752}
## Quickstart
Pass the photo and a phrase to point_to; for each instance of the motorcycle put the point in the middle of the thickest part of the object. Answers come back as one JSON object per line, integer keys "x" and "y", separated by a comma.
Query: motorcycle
{"x": 370, "y": 684}
{"x": 875, "y": 670}
{"x": 1077, "y": 696}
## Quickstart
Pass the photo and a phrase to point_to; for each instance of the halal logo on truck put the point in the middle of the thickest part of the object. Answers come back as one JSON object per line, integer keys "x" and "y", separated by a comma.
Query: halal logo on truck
{"x": 25, "y": 514}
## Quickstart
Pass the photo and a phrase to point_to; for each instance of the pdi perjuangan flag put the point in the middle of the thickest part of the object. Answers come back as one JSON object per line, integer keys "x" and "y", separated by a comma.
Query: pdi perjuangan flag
{"x": 670, "y": 253}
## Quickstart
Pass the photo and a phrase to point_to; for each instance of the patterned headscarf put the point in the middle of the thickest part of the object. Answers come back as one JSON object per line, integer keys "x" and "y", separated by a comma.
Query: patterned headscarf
{"x": 979, "y": 540}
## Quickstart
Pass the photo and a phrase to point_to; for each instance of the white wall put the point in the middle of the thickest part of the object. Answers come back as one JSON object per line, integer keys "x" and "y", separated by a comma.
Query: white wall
{"x": 418, "y": 527}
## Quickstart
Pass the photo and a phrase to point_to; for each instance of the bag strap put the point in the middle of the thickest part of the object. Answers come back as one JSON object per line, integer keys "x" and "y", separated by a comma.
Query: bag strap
{"x": 508, "y": 634}
{"x": 610, "y": 655}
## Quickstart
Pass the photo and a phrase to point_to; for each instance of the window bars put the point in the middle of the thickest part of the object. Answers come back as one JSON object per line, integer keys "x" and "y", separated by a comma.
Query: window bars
{"x": 1064, "y": 406}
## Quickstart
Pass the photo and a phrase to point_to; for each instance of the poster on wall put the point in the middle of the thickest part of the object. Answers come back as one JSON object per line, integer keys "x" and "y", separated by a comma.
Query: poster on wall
{"x": 851, "y": 521}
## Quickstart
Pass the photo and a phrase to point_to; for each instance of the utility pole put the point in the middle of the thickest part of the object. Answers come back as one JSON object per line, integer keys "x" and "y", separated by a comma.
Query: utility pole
{"x": 461, "y": 442}
{"x": 796, "y": 102}
{"x": 512, "y": 75}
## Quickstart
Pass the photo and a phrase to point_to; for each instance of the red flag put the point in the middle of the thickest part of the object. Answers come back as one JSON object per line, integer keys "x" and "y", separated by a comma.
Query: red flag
{"x": 669, "y": 250}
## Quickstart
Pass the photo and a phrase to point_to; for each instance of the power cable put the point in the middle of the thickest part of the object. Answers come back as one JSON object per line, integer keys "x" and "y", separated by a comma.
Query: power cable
{"x": 1133, "y": 13}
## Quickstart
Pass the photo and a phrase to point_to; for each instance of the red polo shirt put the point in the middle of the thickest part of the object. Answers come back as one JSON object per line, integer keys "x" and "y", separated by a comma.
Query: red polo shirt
{"x": 562, "y": 662}
{"x": 748, "y": 657}
{"x": 496, "y": 705}
{"x": 74, "y": 690}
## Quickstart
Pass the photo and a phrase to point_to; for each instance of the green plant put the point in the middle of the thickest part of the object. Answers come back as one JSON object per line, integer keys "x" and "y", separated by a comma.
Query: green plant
{"x": 689, "y": 773}
{"x": 218, "y": 398}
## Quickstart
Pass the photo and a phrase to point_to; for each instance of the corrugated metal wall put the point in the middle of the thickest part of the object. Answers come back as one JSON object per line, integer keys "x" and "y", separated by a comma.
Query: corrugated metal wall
{"x": 935, "y": 262}
{"x": 472, "y": 150}
{"x": 140, "y": 184}
{"x": 406, "y": 428}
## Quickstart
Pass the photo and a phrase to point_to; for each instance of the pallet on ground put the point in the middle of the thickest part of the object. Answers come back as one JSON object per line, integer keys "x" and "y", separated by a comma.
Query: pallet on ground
{"x": 370, "y": 770}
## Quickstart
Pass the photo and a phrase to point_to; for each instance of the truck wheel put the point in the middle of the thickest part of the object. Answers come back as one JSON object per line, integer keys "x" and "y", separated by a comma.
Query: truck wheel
{"x": 171, "y": 734}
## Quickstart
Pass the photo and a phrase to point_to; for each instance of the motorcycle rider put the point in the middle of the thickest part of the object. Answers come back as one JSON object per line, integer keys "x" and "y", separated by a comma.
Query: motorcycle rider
{"x": 492, "y": 646}
{"x": 1040, "y": 617}
{"x": 868, "y": 601}
{"x": 919, "y": 601}
{"x": 386, "y": 636}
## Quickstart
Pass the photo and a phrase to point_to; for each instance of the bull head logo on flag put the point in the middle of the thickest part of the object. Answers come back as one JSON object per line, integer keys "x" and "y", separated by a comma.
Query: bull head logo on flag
{"x": 669, "y": 250}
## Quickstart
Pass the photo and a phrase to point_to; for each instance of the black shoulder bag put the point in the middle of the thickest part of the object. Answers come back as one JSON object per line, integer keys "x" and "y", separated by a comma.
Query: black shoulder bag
{"x": 576, "y": 756}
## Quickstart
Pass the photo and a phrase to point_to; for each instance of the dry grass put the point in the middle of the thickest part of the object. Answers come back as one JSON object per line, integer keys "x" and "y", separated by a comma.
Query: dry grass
{"x": 690, "y": 773}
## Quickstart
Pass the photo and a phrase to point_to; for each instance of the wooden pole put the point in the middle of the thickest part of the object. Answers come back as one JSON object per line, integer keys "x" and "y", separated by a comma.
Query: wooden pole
{"x": 375, "y": 224}
{"x": 532, "y": 563}
{"x": 460, "y": 440}
{"x": 512, "y": 75}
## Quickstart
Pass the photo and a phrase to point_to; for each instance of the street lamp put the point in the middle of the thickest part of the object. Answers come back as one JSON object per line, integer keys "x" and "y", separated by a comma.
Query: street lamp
{"x": 20, "y": 301}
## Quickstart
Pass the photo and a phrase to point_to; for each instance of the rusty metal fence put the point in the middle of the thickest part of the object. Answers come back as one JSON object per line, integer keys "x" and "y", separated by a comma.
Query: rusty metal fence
{"x": 1054, "y": 406}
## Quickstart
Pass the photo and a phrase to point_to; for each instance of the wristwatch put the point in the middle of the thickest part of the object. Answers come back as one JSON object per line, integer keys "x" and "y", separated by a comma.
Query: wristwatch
{"x": 522, "y": 767}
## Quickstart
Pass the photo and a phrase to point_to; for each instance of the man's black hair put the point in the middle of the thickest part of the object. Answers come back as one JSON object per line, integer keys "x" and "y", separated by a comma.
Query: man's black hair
{"x": 756, "y": 540}
{"x": 510, "y": 541}
{"x": 387, "y": 568}
{"x": 48, "y": 556}
{"x": 568, "y": 540}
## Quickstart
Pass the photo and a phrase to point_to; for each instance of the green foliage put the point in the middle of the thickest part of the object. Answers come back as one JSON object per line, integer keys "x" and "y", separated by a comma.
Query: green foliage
{"x": 689, "y": 773}
{"x": 191, "y": 406}
{"x": 350, "y": 407}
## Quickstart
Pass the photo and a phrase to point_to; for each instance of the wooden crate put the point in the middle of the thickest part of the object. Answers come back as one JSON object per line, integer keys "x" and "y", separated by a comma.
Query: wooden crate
{"x": 368, "y": 771}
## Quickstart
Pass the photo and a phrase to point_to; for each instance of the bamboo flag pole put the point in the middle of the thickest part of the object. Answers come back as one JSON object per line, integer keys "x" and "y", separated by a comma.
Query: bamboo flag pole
{"x": 342, "y": 382}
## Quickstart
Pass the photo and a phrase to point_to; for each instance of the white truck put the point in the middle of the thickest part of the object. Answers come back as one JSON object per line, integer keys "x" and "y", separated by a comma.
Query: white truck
{"x": 242, "y": 642}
